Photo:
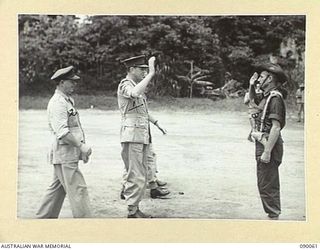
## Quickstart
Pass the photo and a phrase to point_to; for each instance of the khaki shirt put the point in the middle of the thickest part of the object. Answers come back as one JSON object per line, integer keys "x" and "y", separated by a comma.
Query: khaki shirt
{"x": 63, "y": 118}
{"x": 134, "y": 114}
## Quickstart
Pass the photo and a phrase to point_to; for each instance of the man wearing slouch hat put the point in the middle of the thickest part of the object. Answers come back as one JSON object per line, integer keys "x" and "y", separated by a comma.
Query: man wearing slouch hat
{"x": 269, "y": 123}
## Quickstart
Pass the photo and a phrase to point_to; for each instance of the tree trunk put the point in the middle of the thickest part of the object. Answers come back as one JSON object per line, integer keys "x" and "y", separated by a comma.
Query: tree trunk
{"x": 101, "y": 68}
{"x": 191, "y": 75}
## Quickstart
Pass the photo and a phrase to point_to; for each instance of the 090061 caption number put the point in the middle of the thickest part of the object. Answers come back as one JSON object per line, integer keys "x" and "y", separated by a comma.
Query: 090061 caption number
{"x": 308, "y": 246}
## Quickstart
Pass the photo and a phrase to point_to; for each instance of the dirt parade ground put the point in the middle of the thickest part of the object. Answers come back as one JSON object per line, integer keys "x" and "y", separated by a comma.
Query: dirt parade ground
{"x": 205, "y": 158}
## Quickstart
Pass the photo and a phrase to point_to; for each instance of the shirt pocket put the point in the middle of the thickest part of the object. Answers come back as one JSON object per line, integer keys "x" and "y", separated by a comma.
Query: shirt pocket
{"x": 135, "y": 129}
{"x": 136, "y": 122}
{"x": 140, "y": 106}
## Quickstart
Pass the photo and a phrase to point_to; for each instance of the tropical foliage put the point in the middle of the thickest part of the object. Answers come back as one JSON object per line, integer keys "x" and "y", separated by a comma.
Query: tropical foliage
{"x": 215, "y": 44}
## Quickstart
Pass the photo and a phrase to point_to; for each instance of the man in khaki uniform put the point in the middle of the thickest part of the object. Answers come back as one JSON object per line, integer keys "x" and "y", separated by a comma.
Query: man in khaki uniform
{"x": 269, "y": 122}
{"x": 68, "y": 147}
{"x": 135, "y": 134}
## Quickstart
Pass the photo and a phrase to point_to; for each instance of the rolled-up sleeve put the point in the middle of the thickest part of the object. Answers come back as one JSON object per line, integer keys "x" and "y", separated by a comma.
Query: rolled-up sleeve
{"x": 277, "y": 110}
{"x": 58, "y": 118}
{"x": 125, "y": 89}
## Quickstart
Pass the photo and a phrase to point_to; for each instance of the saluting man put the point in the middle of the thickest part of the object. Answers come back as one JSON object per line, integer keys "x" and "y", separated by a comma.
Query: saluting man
{"x": 68, "y": 147}
{"x": 135, "y": 134}
{"x": 269, "y": 123}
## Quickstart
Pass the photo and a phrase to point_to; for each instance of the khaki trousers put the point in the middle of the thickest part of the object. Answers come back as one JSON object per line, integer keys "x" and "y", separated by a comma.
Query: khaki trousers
{"x": 67, "y": 179}
{"x": 135, "y": 157}
{"x": 151, "y": 167}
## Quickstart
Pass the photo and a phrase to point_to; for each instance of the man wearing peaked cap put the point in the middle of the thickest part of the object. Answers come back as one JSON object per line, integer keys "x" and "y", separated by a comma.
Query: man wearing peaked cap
{"x": 135, "y": 136}
{"x": 65, "y": 74}
{"x": 68, "y": 147}
{"x": 136, "y": 61}
{"x": 156, "y": 186}
{"x": 269, "y": 122}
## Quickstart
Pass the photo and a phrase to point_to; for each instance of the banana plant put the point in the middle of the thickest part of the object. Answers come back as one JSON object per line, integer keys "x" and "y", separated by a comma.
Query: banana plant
{"x": 195, "y": 75}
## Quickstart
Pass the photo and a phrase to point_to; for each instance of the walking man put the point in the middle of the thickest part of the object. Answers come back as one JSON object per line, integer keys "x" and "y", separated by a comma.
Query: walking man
{"x": 269, "y": 122}
{"x": 68, "y": 147}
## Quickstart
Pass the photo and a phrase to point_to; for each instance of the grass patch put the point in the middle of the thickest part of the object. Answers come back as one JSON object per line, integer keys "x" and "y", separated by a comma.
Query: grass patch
{"x": 196, "y": 104}
{"x": 104, "y": 102}
{"x": 109, "y": 102}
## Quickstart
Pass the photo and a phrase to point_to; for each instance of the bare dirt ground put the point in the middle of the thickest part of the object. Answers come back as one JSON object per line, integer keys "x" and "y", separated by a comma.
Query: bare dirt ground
{"x": 205, "y": 158}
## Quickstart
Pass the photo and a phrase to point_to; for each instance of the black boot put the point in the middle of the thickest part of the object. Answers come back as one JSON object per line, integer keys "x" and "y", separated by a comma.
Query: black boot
{"x": 158, "y": 192}
{"x": 122, "y": 195}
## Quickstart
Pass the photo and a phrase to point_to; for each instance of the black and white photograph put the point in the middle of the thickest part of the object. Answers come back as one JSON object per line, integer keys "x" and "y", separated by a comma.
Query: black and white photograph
{"x": 161, "y": 117}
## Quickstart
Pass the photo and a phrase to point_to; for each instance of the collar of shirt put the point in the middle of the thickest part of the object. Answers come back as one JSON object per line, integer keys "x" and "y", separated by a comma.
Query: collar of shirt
{"x": 67, "y": 98}
{"x": 132, "y": 81}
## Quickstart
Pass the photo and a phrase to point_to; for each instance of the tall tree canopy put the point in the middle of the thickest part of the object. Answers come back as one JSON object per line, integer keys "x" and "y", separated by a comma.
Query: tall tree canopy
{"x": 216, "y": 44}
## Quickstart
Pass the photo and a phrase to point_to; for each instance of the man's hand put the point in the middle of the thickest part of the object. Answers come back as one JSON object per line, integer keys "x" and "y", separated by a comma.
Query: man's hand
{"x": 265, "y": 157}
{"x": 151, "y": 61}
{"x": 84, "y": 158}
{"x": 85, "y": 150}
{"x": 163, "y": 130}
{"x": 254, "y": 78}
